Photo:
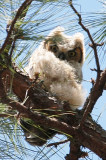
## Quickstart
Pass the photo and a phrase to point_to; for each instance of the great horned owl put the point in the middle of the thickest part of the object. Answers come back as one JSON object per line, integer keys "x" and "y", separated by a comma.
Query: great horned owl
{"x": 58, "y": 60}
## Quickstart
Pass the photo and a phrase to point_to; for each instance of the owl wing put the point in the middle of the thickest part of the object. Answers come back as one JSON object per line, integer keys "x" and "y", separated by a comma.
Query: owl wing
{"x": 59, "y": 77}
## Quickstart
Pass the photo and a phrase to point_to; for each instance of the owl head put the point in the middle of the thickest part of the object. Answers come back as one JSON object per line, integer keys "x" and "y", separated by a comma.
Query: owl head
{"x": 69, "y": 48}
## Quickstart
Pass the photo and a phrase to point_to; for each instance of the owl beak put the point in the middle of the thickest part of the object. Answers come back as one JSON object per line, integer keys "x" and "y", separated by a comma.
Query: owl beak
{"x": 61, "y": 56}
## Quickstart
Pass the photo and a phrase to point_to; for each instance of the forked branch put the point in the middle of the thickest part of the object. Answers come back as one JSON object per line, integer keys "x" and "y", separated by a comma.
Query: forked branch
{"x": 101, "y": 77}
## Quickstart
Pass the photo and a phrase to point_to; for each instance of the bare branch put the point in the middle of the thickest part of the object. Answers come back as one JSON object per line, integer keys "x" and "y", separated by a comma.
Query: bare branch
{"x": 97, "y": 44}
{"x": 94, "y": 45}
{"x": 96, "y": 70}
{"x": 96, "y": 90}
{"x": 58, "y": 143}
{"x": 93, "y": 97}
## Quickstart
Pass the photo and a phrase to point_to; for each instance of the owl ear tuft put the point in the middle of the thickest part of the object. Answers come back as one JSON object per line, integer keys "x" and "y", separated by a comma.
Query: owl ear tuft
{"x": 54, "y": 36}
{"x": 79, "y": 37}
{"x": 57, "y": 31}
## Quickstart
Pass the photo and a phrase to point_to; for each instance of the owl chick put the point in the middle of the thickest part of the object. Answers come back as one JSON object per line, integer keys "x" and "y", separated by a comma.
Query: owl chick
{"x": 58, "y": 60}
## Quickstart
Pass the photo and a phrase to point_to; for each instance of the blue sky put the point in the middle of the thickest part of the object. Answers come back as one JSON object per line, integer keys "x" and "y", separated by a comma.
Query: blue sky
{"x": 90, "y": 6}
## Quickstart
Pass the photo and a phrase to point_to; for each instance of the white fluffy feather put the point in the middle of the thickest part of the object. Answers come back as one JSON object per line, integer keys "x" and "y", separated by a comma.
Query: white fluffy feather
{"x": 60, "y": 77}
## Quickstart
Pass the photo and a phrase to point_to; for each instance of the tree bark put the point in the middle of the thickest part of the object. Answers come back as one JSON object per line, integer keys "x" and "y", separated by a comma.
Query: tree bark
{"x": 91, "y": 135}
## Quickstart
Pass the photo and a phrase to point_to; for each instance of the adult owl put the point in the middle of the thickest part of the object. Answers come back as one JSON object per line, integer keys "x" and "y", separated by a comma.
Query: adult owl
{"x": 58, "y": 61}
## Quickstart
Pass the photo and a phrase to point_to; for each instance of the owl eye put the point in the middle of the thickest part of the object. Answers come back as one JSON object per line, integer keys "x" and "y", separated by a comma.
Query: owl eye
{"x": 54, "y": 48}
{"x": 71, "y": 54}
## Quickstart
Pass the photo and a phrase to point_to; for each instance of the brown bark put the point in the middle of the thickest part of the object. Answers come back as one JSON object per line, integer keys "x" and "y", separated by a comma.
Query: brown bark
{"x": 91, "y": 135}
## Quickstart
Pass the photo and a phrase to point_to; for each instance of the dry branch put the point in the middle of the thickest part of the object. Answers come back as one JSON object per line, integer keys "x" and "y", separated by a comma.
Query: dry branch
{"x": 94, "y": 45}
{"x": 91, "y": 135}
{"x": 98, "y": 88}
{"x": 57, "y": 143}
{"x": 96, "y": 92}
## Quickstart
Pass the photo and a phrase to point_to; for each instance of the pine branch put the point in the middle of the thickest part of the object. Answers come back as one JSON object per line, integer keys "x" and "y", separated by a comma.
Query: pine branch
{"x": 19, "y": 14}
{"x": 91, "y": 131}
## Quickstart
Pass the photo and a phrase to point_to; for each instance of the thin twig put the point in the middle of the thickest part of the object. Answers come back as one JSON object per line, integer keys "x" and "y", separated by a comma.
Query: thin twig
{"x": 95, "y": 70}
{"x": 97, "y": 44}
{"x": 57, "y": 143}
